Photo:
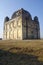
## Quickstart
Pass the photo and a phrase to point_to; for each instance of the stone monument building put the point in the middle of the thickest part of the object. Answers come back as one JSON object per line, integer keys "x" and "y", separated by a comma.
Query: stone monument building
{"x": 21, "y": 26}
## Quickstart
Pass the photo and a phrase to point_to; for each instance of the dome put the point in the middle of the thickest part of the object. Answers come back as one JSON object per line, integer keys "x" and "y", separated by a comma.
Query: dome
{"x": 36, "y": 18}
{"x": 19, "y": 12}
{"x": 27, "y": 14}
{"x": 6, "y": 19}
{"x": 13, "y": 15}
{"x": 30, "y": 16}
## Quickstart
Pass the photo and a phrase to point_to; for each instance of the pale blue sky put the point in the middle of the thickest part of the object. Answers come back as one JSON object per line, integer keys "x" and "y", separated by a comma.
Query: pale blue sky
{"x": 7, "y": 7}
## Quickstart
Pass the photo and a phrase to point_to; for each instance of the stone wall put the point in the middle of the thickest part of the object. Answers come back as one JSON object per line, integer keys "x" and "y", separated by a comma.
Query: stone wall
{"x": 13, "y": 29}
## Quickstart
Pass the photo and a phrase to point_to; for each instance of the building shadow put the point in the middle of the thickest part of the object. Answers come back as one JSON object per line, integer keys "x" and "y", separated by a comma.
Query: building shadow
{"x": 8, "y": 58}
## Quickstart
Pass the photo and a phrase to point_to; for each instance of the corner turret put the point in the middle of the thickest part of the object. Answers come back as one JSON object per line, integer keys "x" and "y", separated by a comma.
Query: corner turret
{"x": 6, "y": 19}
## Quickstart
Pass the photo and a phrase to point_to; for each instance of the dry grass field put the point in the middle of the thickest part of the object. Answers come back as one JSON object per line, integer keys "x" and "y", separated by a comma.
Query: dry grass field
{"x": 25, "y": 52}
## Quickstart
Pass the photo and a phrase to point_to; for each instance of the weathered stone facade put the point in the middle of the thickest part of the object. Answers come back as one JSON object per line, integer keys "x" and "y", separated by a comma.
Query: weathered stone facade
{"x": 21, "y": 26}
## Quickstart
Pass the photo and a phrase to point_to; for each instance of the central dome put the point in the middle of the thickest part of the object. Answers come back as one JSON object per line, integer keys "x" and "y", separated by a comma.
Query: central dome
{"x": 19, "y": 12}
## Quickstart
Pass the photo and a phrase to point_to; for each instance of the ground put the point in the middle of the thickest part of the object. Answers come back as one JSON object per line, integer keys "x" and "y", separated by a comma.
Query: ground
{"x": 23, "y": 52}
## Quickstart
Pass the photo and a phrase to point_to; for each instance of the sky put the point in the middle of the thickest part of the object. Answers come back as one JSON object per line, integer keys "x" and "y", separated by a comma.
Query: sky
{"x": 7, "y": 7}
